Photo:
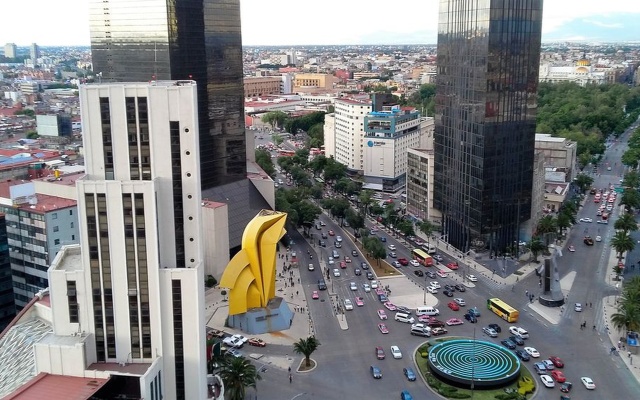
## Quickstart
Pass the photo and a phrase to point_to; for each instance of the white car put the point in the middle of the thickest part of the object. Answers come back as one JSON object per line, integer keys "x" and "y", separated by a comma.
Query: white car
{"x": 588, "y": 383}
{"x": 396, "y": 353}
{"x": 532, "y": 352}
{"x": 414, "y": 263}
{"x": 432, "y": 290}
{"x": 339, "y": 239}
{"x": 374, "y": 284}
{"x": 233, "y": 341}
{"x": 336, "y": 272}
{"x": 311, "y": 268}
{"x": 435, "y": 285}
{"x": 598, "y": 238}
{"x": 353, "y": 286}
{"x": 366, "y": 287}
{"x": 547, "y": 381}
{"x": 460, "y": 301}
{"x": 331, "y": 262}
{"x": 392, "y": 247}
{"x": 586, "y": 220}
{"x": 472, "y": 278}
{"x": 348, "y": 305}
{"x": 577, "y": 307}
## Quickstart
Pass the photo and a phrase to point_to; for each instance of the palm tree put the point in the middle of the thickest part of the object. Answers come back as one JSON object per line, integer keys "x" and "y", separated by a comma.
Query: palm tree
{"x": 563, "y": 221}
{"x": 626, "y": 222}
{"x": 427, "y": 227}
{"x": 238, "y": 373}
{"x": 536, "y": 246}
{"x": 622, "y": 243}
{"x": 306, "y": 347}
{"x": 546, "y": 225}
{"x": 627, "y": 317}
{"x": 631, "y": 180}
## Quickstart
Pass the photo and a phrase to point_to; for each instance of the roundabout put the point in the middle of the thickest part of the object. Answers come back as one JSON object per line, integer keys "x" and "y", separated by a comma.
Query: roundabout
{"x": 473, "y": 364}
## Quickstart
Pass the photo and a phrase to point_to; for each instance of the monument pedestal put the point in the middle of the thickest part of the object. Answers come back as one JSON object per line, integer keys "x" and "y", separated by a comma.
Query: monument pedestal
{"x": 276, "y": 316}
{"x": 552, "y": 295}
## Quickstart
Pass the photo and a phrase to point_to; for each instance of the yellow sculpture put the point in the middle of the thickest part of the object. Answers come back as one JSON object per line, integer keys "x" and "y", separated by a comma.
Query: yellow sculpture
{"x": 251, "y": 273}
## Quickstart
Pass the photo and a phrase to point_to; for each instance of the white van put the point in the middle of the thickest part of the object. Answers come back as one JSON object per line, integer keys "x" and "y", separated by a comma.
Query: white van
{"x": 403, "y": 317}
{"x": 430, "y": 311}
{"x": 429, "y": 248}
{"x": 516, "y": 330}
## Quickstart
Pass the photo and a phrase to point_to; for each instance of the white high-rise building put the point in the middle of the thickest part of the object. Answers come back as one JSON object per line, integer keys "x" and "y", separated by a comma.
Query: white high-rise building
{"x": 127, "y": 304}
{"x": 344, "y": 132}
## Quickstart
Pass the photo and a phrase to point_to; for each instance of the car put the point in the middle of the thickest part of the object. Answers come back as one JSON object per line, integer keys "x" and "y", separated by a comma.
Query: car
{"x": 460, "y": 288}
{"x": 257, "y": 342}
{"x": 331, "y": 262}
{"x": 588, "y": 240}
{"x": 598, "y": 238}
{"x": 566, "y": 387}
{"x": 331, "y": 232}
{"x": 383, "y": 328}
{"x": 414, "y": 263}
{"x": 233, "y": 352}
{"x": 471, "y": 318}
{"x": 348, "y": 305}
{"x": 558, "y": 376}
{"x": 418, "y": 273}
{"x": 532, "y": 352}
{"x": 382, "y": 314}
{"x": 389, "y": 306}
{"x": 322, "y": 243}
{"x": 380, "y": 353}
{"x": 403, "y": 261}
{"x": 392, "y": 247}
{"x": 540, "y": 368}
{"x": 379, "y": 291}
{"x": 366, "y": 287}
{"x": 408, "y": 372}
{"x": 357, "y": 272}
{"x": 364, "y": 266}
{"x": 448, "y": 293}
{"x": 347, "y": 259}
{"x": 495, "y": 327}
{"x": 322, "y": 223}
{"x": 311, "y": 267}
{"x": 392, "y": 254}
{"x": 232, "y": 342}
{"x": 548, "y": 364}
{"x": 322, "y": 285}
{"x": 343, "y": 265}
{"x": 396, "y": 353}
{"x": 339, "y": 239}
{"x": 586, "y": 220}
{"x": 432, "y": 322}
{"x": 315, "y": 295}
{"x": 437, "y": 257}
{"x": 376, "y": 372}
{"x": 432, "y": 290}
{"x": 508, "y": 344}
{"x": 547, "y": 381}
{"x": 577, "y": 307}
{"x": 474, "y": 311}
{"x": 588, "y": 383}
{"x": 324, "y": 235}
{"x": 453, "y": 305}
{"x": 403, "y": 309}
{"x": 454, "y": 321}
{"x": 370, "y": 276}
{"x": 453, "y": 265}
{"x": 557, "y": 361}
{"x": 602, "y": 221}
{"x": 353, "y": 286}
{"x": 337, "y": 245}
{"x": 336, "y": 272}
{"x": 240, "y": 338}
{"x": 490, "y": 331}
{"x": 450, "y": 288}
{"x": 441, "y": 273}
{"x": 517, "y": 340}
{"x": 405, "y": 395}
{"x": 382, "y": 297}
{"x": 383, "y": 238}
{"x": 522, "y": 355}
{"x": 517, "y": 331}
{"x": 438, "y": 331}
{"x": 472, "y": 278}
{"x": 359, "y": 301}
{"x": 460, "y": 301}
{"x": 374, "y": 284}
{"x": 396, "y": 264}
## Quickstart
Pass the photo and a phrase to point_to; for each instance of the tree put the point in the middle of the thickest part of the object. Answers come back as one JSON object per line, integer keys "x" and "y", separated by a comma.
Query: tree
{"x": 32, "y": 135}
{"x": 355, "y": 220}
{"x": 546, "y": 226}
{"x": 584, "y": 182}
{"x": 630, "y": 199}
{"x": 626, "y": 222}
{"x": 631, "y": 157}
{"x": 366, "y": 200}
{"x": 427, "y": 227}
{"x": 631, "y": 180}
{"x": 628, "y": 310}
{"x": 238, "y": 373}
{"x": 563, "y": 221}
{"x": 306, "y": 347}
{"x": 334, "y": 170}
{"x": 375, "y": 248}
{"x": 263, "y": 159}
{"x": 536, "y": 247}
{"x": 406, "y": 227}
{"x": 274, "y": 118}
{"x": 622, "y": 243}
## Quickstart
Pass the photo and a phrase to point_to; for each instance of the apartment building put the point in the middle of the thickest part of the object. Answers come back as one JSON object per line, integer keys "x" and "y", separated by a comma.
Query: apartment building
{"x": 262, "y": 86}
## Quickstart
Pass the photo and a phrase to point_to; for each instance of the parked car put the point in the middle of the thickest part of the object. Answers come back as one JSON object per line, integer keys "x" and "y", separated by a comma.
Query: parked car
{"x": 495, "y": 327}
{"x": 522, "y": 355}
{"x": 547, "y": 381}
{"x": 532, "y": 352}
{"x": 257, "y": 342}
{"x": 508, "y": 344}
{"x": 557, "y": 361}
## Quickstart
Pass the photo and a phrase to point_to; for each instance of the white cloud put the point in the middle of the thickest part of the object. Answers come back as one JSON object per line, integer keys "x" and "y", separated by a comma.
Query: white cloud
{"x": 604, "y": 24}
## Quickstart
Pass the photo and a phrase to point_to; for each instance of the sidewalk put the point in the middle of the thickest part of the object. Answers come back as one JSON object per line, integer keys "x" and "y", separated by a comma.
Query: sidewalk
{"x": 609, "y": 308}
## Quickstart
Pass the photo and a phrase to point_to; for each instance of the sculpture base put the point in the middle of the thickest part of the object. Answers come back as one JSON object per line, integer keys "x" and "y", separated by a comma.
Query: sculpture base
{"x": 276, "y": 316}
{"x": 551, "y": 299}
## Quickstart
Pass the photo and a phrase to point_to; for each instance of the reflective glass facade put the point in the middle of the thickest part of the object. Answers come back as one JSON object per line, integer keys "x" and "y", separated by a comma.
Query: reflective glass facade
{"x": 488, "y": 61}
{"x": 143, "y": 40}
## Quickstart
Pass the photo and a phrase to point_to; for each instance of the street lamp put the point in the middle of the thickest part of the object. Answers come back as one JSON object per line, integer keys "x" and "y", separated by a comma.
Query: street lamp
{"x": 424, "y": 301}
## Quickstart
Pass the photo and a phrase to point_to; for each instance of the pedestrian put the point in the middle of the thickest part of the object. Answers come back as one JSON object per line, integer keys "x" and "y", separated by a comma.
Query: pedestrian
{"x": 296, "y": 292}
{"x": 619, "y": 345}
{"x": 290, "y": 378}
{"x": 594, "y": 327}
{"x": 289, "y": 370}
{"x": 590, "y": 305}
{"x": 629, "y": 354}
{"x": 285, "y": 284}
{"x": 526, "y": 293}
{"x": 298, "y": 280}
{"x": 630, "y": 360}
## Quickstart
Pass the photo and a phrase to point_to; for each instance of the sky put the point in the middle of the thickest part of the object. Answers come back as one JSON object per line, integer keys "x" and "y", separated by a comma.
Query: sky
{"x": 295, "y": 22}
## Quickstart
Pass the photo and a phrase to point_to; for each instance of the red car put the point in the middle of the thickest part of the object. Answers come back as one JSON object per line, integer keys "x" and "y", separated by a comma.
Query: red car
{"x": 453, "y": 305}
{"x": 403, "y": 261}
{"x": 331, "y": 232}
{"x": 558, "y": 376}
{"x": 379, "y": 353}
{"x": 383, "y": 328}
{"x": 453, "y": 265}
{"x": 257, "y": 342}
{"x": 557, "y": 361}
{"x": 315, "y": 295}
{"x": 359, "y": 301}
{"x": 343, "y": 264}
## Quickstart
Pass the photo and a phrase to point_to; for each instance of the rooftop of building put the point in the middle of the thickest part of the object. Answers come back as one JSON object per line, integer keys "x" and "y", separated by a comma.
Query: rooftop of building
{"x": 546, "y": 137}
{"x": 45, "y": 203}
{"x": 69, "y": 259}
{"x": 124, "y": 368}
{"x": 58, "y": 387}
{"x": 168, "y": 83}
{"x": 65, "y": 178}
{"x": 12, "y": 157}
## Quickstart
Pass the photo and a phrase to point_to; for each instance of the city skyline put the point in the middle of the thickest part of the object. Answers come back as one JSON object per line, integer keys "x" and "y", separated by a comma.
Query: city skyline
{"x": 569, "y": 20}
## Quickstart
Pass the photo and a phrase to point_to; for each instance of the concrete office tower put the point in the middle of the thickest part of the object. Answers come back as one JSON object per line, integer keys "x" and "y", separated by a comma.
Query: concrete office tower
{"x": 142, "y": 250}
{"x": 10, "y": 50}
{"x": 34, "y": 52}
{"x": 139, "y": 41}
{"x": 488, "y": 61}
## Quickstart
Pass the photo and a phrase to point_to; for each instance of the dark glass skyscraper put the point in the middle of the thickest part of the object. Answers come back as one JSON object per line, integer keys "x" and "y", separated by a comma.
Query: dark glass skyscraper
{"x": 488, "y": 61}
{"x": 144, "y": 40}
